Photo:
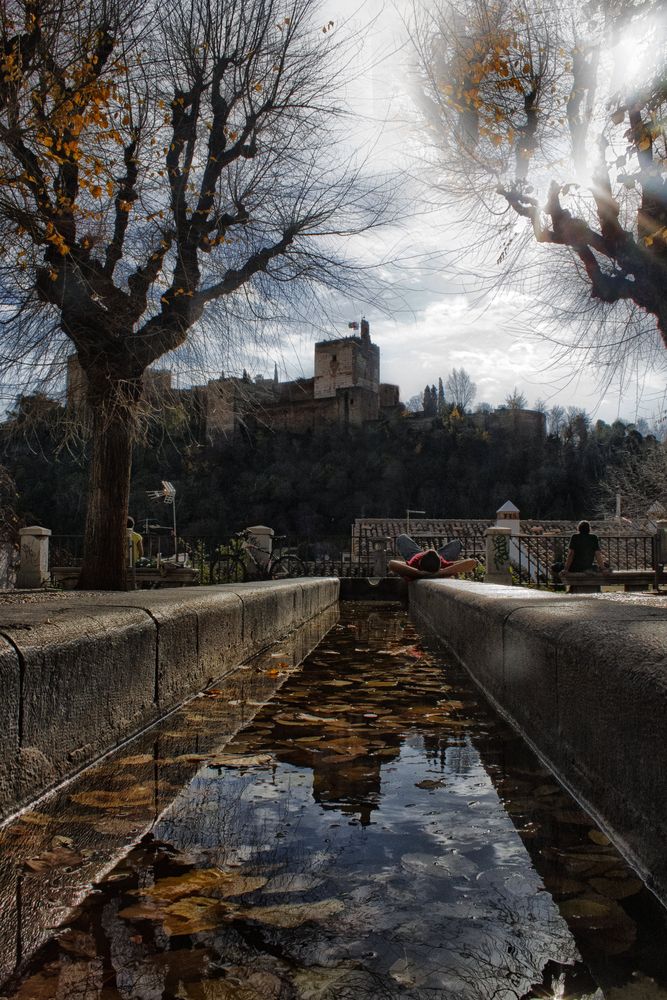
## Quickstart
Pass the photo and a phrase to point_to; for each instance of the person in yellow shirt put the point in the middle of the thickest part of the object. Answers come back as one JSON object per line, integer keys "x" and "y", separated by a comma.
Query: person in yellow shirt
{"x": 135, "y": 544}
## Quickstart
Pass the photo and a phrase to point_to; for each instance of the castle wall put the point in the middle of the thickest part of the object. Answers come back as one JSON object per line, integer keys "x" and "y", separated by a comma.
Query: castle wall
{"x": 389, "y": 395}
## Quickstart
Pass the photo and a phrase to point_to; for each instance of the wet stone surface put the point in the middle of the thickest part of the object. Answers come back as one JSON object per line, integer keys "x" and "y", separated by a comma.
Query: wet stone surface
{"x": 373, "y": 831}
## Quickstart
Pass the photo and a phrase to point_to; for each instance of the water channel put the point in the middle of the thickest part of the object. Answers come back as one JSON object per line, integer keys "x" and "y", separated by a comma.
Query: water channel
{"x": 372, "y": 830}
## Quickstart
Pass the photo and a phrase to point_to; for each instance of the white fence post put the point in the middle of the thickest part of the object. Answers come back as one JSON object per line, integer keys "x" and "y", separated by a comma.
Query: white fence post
{"x": 34, "y": 561}
{"x": 498, "y": 555}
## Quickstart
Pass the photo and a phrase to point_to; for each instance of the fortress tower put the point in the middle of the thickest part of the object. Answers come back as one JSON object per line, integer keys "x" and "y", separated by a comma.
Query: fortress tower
{"x": 347, "y": 363}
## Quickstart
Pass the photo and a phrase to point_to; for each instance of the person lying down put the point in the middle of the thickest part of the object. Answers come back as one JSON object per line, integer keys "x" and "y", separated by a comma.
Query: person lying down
{"x": 430, "y": 564}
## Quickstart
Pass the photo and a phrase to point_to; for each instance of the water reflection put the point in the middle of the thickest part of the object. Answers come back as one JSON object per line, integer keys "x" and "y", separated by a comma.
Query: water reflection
{"x": 374, "y": 832}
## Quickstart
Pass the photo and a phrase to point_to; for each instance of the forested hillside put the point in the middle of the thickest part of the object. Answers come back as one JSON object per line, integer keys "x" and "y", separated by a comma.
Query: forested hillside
{"x": 313, "y": 485}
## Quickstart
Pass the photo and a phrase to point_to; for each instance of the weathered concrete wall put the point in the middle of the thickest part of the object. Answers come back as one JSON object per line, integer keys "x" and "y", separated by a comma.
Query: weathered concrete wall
{"x": 83, "y": 672}
{"x": 585, "y": 679}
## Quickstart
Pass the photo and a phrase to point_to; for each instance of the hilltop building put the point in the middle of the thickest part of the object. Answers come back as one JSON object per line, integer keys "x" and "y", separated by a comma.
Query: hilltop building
{"x": 345, "y": 390}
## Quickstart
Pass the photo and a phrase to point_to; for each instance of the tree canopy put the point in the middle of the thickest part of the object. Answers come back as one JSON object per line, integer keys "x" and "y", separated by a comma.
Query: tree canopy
{"x": 548, "y": 126}
{"x": 156, "y": 158}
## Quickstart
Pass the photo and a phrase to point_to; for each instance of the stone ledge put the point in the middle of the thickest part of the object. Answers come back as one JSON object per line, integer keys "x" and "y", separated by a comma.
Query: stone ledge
{"x": 84, "y": 671}
{"x": 585, "y": 680}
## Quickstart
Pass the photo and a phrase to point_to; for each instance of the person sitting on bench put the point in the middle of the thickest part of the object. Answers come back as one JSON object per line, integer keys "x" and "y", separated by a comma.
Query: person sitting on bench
{"x": 418, "y": 563}
{"x": 584, "y": 555}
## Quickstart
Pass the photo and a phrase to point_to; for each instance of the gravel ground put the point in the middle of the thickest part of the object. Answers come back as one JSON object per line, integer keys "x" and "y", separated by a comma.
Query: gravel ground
{"x": 40, "y": 596}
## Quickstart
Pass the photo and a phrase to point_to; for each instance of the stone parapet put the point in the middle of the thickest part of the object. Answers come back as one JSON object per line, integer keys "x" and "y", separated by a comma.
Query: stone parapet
{"x": 84, "y": 672}
{"x": 585, "y": 680}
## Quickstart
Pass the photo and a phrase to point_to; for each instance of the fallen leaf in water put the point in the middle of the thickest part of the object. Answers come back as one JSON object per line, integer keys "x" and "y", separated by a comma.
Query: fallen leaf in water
{"x": 125, "y": 798}
{"x": 139, "y": 758}
{"x": 273, "y": 672}
{"x": 616, "y": 888}
{"x": 212, "y": 881}
{"x": 300, "y": 719}
{"x": 42, "y": 986}
{"x": 60, "y": 841}
{"x": 402, "y": 971}
{"x": 319, "y": 982}
{"x": 60, "y": 857}
{"x": 428, "y": 783}
{"x": 114, "y": 826}
{"x": 147, "y": 909}
{"x": 292, "y": 883}
{"x": 241, "y": 761}
{"x": 184, "y": 758}
{"x": 193, "y": 915}
{"x": 593, "y": 913}
{"x": 35, "y": 819}
{"x": 292, "y": 914}
{"x": 239, "y": 983}
{"x": 599, "y": 838}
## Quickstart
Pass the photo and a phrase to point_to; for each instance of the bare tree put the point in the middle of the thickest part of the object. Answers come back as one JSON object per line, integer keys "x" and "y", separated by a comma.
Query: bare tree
{"x": 156, "y": 159}
{"x": 460, "y": 388}
{"x": 548, "y": 130}
{"x": 556, "y": 420}
{"x": 641, "y": 481}
{"x": 516, "y": 400}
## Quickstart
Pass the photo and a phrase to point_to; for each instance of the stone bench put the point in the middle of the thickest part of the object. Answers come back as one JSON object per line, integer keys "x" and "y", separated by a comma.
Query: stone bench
{"x": 629, "y": 579}
{"x": 144, "y": 578}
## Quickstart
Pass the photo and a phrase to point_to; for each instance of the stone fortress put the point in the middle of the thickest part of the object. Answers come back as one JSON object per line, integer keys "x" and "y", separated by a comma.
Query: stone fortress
{"x": 345, "y": 390}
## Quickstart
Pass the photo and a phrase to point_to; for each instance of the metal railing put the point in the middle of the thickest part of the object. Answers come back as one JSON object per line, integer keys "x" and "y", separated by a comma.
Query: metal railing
{"x": 533, "y": 556}
{"x": 66, "y": 550}
{"x": 532, "y": 559}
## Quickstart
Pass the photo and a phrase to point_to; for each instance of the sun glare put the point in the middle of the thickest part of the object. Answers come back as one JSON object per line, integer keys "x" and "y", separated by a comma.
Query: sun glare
{"x": 639, "y": 52}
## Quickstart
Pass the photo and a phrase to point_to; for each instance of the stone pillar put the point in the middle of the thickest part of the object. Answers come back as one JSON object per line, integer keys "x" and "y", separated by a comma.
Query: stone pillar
{"x": 261, "y": 539}
{"x": 498, "y": 555}
{"x": 34, "y": 561}
{"x": 660, "y": 543}
{"x": 380, "y": 553}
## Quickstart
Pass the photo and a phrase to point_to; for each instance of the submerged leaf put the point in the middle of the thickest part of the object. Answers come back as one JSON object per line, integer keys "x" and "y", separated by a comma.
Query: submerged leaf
{"x": 292, "y": 914}
{"x": 241, "y": 760}
{"x": 60, "y": 857}
{"x": 595, "y": 913}
{"x": 193, "y": 915}
{"x": 617, "y": 888}
{"x": 210, "y": 880}
{"x": 124, "y": 798}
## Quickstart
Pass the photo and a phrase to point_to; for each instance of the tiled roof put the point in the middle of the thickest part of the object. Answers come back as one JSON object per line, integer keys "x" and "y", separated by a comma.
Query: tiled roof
{"x": 377, "y": 527}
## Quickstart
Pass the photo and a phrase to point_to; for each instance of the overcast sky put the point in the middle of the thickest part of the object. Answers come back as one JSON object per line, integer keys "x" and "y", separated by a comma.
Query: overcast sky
{"x": 441, "y": 325}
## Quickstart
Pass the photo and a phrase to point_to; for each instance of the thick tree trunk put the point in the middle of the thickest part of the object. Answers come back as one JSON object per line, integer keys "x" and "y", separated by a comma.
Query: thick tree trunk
{"x": 105, "y": 563}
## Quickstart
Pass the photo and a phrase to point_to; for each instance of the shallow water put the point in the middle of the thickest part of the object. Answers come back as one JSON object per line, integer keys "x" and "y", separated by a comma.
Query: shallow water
{"x": 375, "y": 830}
